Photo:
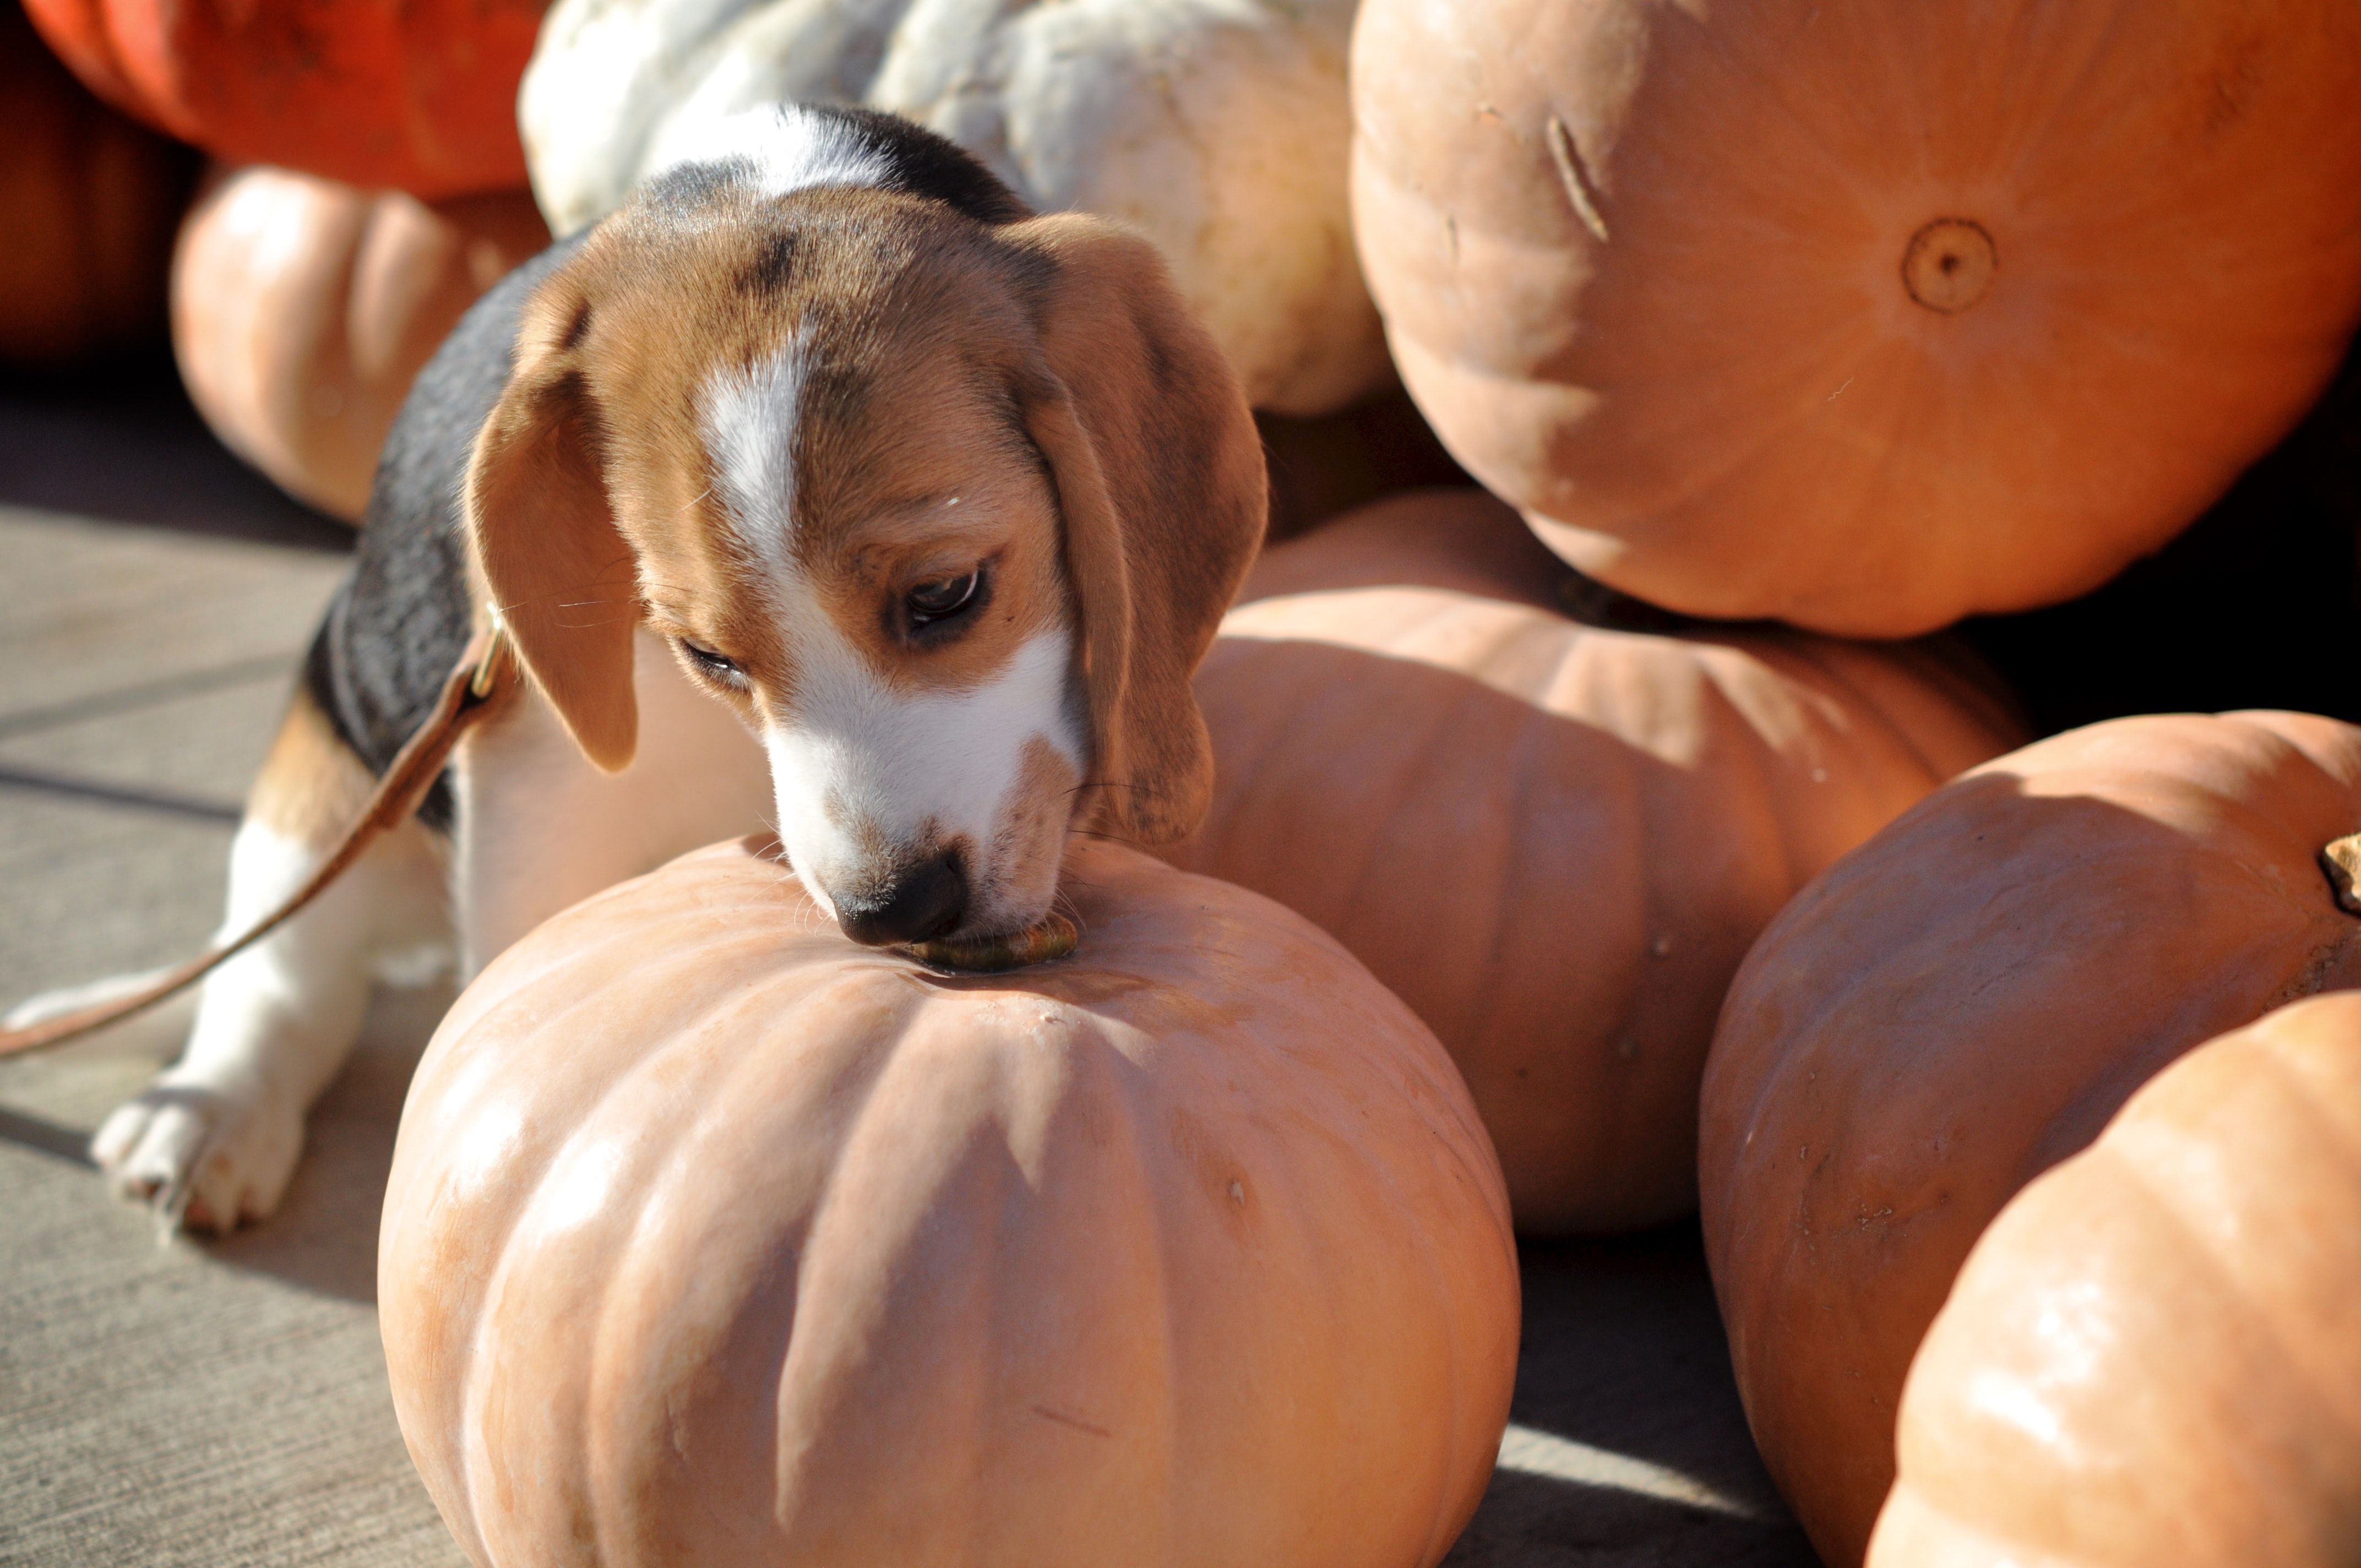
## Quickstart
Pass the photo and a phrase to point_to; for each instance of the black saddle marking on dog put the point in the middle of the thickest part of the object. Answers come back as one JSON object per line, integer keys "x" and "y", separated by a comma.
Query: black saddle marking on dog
{"x": 398, "y": 623}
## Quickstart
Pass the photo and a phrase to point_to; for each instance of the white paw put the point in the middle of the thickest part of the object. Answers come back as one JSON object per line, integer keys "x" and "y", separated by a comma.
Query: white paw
{"x": 208, "y": 1154}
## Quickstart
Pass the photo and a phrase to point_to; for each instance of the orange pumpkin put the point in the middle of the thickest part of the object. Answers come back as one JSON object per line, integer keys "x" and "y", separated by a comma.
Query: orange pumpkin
{"x": 1962, "y": 1002}
{"x": 1860, "y": 315}
{"x": 419, "y": 95}
{"x": 1553, "y": 841}
{"x": 2154, "y": 1355}
{"x": 91, "y": 200}
{"x": 302, "y": 309}
{"x": 712, "y": 1239}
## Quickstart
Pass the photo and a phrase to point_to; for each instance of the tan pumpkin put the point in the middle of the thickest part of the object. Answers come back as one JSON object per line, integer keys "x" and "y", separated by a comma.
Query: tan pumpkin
{"x": 1863, "y": 316}
{"x": 712, "y": 1240}
{"x": 1962, "y": 1002}
{"x": 1553, "y": 841}
{"x": 91, "y": 200}
{"x": 2154, "y": 1355}
{"x": 302, "y": 309}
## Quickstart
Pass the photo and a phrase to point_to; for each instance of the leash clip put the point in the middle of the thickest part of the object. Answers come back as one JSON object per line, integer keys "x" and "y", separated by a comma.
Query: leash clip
{"x": 488, "y": 664}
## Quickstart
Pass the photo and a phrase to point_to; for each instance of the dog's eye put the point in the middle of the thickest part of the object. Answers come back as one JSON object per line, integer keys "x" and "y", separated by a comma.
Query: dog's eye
{"x": 714, "y": 666}
{"x": 931, "y": 602}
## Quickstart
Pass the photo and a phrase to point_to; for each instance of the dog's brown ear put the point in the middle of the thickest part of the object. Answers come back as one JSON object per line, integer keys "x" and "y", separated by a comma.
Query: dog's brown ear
{"x": 1160, "y": 480}
{"x": 545, "y": 537}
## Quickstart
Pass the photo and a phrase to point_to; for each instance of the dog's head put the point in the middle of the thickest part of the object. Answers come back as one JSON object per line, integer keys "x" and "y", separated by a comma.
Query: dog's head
{"x": 947, "y": 499}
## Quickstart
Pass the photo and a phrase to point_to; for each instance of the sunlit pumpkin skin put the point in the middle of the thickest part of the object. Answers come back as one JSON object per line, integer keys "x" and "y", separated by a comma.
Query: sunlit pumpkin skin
{"x": 714, "y": 1240}
{"x": 2154, "y": 1355}
{"x": 1554, "y": 842}
{"x": 1962, "y": 1002}
{"x": 416, "y": 94}
{"x": 302, "y": 308}
{"x": 91, "y": 200}
{"x": 1860, "y": 316}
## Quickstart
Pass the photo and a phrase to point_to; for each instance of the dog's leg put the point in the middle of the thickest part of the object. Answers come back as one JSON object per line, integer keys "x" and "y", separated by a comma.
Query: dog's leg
{"x": 219, "y": 1131}
{"x": 541, "y": 828}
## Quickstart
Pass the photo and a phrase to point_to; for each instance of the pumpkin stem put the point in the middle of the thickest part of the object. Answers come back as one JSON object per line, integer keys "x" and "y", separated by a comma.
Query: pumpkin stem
{"x": 2342, "y": 861}
{"x": 1574, "y": 175}
{"x": 1054, "y": 938}
{"x": 1949, "y": 265}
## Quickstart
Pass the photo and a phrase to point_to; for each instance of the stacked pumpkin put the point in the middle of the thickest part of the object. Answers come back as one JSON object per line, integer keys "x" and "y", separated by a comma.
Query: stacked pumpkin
{"x": 379, "y": 198}
{"x": 1870, "y": 319}
{"x": 1539, "y": 906}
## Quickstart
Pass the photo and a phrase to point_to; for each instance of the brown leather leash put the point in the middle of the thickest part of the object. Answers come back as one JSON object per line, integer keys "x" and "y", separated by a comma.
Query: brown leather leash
{"x": 467, "y": 695}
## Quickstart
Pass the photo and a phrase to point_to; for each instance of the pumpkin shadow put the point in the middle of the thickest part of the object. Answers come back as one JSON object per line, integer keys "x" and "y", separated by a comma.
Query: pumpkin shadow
{"x": 323, "y": 1237}
{"x": 1628, "y": 1444}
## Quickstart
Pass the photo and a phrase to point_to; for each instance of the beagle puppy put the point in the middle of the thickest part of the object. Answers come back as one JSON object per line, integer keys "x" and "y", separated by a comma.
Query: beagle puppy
{"x": 821, "y": 488}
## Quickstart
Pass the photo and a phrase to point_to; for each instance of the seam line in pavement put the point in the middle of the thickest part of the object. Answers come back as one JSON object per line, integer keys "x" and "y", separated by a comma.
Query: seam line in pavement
{"x": 119, "y": 795}
{"x": 148, "y": 694}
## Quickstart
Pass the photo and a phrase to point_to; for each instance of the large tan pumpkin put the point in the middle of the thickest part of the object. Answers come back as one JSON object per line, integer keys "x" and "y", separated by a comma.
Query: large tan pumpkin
{"x": 1555, "y": 842}
{"x": 1962, "y": 1002}
{"x": 1862, "y": 315}
{"x": 2154, "y": 1355}
{"x": 89, "y": 201}
{"x": 302, "y": 309}
{"x": 714, "y": 1241}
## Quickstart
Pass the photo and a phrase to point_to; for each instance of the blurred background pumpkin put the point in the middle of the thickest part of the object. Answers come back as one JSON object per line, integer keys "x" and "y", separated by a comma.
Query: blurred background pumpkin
{"x": 302, "y": 309}
{"x": 416, "y": 94}
{"x": 91, "y": 200}
{"x": 1217, "y": 127}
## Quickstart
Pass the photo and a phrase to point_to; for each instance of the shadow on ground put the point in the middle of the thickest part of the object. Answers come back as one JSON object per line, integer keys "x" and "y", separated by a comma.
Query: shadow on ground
{"x": 120, "y": 442}
{"x": 1628, "y": 1444}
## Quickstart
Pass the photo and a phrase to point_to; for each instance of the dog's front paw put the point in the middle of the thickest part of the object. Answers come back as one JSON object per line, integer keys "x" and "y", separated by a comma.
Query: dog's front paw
{"x": 204, "y": 1154}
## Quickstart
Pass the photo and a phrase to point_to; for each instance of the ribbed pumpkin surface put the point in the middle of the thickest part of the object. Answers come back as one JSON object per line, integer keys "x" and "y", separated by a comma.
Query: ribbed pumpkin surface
{"x": 712, "y": 1239}
{"x": 91, "y": 200}
{"x": 1553, "y": 841}
{"x": 2154, "y": 1355}
{"x": 1962, "y": 1002}
{"x": 1862, "y": 314}
{"x": 302, "y": 309}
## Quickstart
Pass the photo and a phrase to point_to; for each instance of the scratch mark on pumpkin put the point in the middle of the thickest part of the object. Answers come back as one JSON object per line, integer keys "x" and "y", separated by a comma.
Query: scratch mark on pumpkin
{"x": 1575, "y": 178}
{"x": 1047, "y": 1414}
{"x": 1839, "y": 392}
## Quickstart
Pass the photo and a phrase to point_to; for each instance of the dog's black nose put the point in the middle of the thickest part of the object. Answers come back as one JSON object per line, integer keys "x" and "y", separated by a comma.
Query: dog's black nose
{"x": 924, "y": 901}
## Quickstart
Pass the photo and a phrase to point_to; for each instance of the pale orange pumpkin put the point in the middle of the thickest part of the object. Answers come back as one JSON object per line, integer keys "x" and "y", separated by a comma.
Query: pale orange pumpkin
{"x": 89, "y": 201}
{"x": 302, "y": 309}
{"x": 1962, "y": 1002}
{"x": 1553, "y": 840}
{"x": 713, "y": 1240}
{"x": 2154, "y": 1355}
{"x": 1862, "y": 316}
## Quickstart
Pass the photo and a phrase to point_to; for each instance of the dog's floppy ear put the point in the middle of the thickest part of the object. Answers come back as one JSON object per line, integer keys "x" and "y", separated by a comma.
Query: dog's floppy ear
{"x": 1162, "y": 489}
{"x": 545, "y": 537}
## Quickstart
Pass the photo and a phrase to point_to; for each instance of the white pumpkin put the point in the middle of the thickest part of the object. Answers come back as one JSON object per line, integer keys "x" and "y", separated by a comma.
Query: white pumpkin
{"x": 1220, "y": 128}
